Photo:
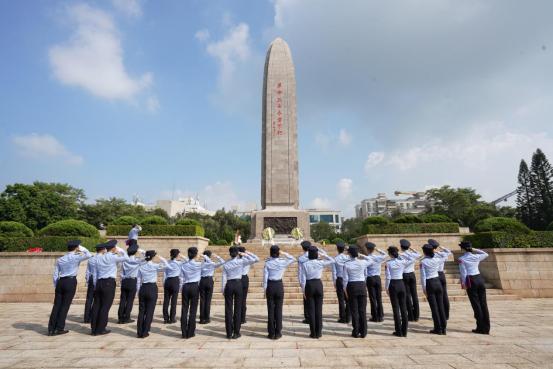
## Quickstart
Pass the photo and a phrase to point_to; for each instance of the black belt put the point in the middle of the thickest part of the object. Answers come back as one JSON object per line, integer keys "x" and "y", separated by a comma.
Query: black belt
{"x": 314, "y": 279}
{"x": 275, "y": 280}
{"x": 207, "y": 276}
{"x": 69, "y": 276}
{"x": 234, "y": 279}
{"x": 130, "y": 278}
{"x": 429, "y": 279}
{"x": 149, "y": 283}
{"x": 105, "y": 279}
{"x": 192, "y": 282}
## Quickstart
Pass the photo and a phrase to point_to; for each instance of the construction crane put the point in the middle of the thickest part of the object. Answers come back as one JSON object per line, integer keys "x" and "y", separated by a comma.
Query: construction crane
{"x": 416, "y": 194}
{"x": 504, "y": 197}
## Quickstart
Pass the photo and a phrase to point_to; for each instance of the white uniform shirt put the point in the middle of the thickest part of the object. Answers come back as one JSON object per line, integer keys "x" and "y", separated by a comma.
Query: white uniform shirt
{"x": 172, "y": 269}
{"x": 133, "y": 234}
{"x": 430, "y": 266}
{"x": 412, "y": 257}
{"x": 313, "y": 269}
{"x": 208, "y": 269}
{"x": 468, "y": 264}
{"x": 354, "y": 270}
{"x": 90, "y": 268}
{"x": 106, "y": 264}
{"x": 396, "y": 267}
{"x": 68, "y": 264}
{"x": 338, "y": 267}
{"x": 191, "y": 271}
{"x": 445, "y": 252}
{"x": 233, "y": 268}
{"x": 301, "y": 259}
{"x": 246, "y": 268}
{"x": 147, "y": 272}
{"x": 129, "y": 268}
{"x": 375, "y": 268}
{"x": 274, "y": 268}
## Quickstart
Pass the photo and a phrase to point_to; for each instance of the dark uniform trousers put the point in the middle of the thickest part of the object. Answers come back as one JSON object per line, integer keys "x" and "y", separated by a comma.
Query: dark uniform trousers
{"x": 245, "y": 287}
{"x": 65, "y": 291}
{"x": 128, "y": 293}
{"x": 357, "y": 297}
{"x": 411, "y": 296}
{"x": 374, "y": 288}
{"x": 434, "y": 294}
{"x": 399, "y": 305}
{"x": 206, "y": 293}
{"x": 233, "y": 306}
{"x": 477, "y": 296}
{"x": 343, "y": 305}
{"x": 275, "y": 299}
{"x": 89, "y": 299}
{"x": 443, "y": 282}
{"x": 190, "y": 295}
{"x": 147, "y": 299}
{"x": 103, "y": 299}
{"x": 170, "y": 297}
{"x": 314, "y": 294}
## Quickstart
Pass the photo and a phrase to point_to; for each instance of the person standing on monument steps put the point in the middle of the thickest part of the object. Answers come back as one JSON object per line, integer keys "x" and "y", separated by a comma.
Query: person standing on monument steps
{"x": 65, "y": 284}
{"x": 133, "y": 234}
{"x": 432, "y": 288}
{"x": 191, "y": 272}
{"x": 312, "y": 288}
{"x": 274, "y": 269}
{"x": 305, "y": 245}
{"x": 410, "y": 280}
{"x": 355, "y": 290}
{"x": 104, "y": 285}
{"x": 171, "y": 286}
{"x": 147, "y": 291}
{"x": 232, "y": 290}
{"x": 129, "y": 271}
{"x": 206, "y": 285}
{"x": 89, "y": 280}
{"x": 443, "y": 251}
{"x": 337, "y": 270}
{"x": 472, "y": 281}
{"x": 374, "y": 283}
{"x": 395, "y": 288}
{"x": 245, "y": 282}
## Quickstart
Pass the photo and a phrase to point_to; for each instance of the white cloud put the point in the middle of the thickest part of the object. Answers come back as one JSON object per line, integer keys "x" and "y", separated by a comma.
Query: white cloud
{"x": 218, "y": 195}
{"x": 344, "y": 186}
{"x": 131, "y": 8}
{"x": 321, "y": 203}
{"x": 344, "y": 137}
{"x": 45, "y": 146}
{"x": 202, "y": 35}
{"x": 152, "y": 104}
{"x": 374, "y": 159}
{"x": 92, "y": 58}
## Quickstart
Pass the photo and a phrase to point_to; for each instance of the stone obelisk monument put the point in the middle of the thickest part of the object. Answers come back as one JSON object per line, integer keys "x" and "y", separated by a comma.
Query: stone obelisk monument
{"x": 279, "y": 156}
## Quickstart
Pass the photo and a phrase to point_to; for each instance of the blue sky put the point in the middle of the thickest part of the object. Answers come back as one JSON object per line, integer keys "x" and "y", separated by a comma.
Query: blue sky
{"x": 157, "y": 98}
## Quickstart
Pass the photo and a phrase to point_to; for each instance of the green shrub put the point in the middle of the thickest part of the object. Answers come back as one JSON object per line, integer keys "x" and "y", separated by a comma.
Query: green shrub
{"x": 501, "y": 224}
{"x": 337, "y": 240}
{"x": 510, "y": 240}
{"x": 187, "y": 221}
{"x": 376, "y": 220}
{"x": 353, "y": 241}
{"x": 154, "y": 219}
{"x": 157, "y": 230}
{"x": 435, "y": 218}
{"x": 70, "y": 227}
{"x": 126, "y": 219}
{"x": 399, "y": 228}
{"x": 550, "y": 227}
{"x": 47, "y": 243}
{"x": 407, "y": 219}
{"x": 325, "y": 240}
{"x": 220, "y": 243}
{"x": 15, "y": 229}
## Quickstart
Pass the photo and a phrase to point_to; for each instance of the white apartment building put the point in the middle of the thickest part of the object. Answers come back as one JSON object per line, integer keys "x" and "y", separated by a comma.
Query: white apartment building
{"x": 416, "y": 203}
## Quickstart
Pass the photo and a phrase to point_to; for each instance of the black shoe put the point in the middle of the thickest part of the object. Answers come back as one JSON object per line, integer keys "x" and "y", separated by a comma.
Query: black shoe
{"x": 355, "y": 335}
{"x": 243, "y": 322}
{"x": 312, "y": 336}
{"x": 51, "y": 333}
{"x": 173, "y": 321}
{"x": 434, "y": 331}
{"x": 373, "y": 320}
{"x": 443, "y": 332}
{"x": 184, "y": 336}
{"x": 228, "y": 337}
{"x": 277, "y": 336}
{"x": 139, "y": 336}
{"x": 86, "y": 321}
{"x": 107, "y": 331}
{"x": 208, "y": 321}
{"x": 120, "y": 321}
{"x": 397, "y": 334}
{"x": 305, "y": 321}
{"x": 380, "y": 320}
{"x": 341, "y": 321}
{"x": 236, "y": 336}
{"x": 129, "y": 321}
{"x": 271, "y": 337}
{"x": 476, "y": 331}
{"x": 319, "y": 335}
{"x": 192, "y": 335}
{"x": 61, "y": 331}
{"x": 202, "y": 322}
{"x": 362, "y": 335}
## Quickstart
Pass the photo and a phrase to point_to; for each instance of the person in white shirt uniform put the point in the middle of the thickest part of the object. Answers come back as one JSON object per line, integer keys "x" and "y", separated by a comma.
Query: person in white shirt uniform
{"x": 147, "y": 291}
{"x": 65, "y": 284}
{"x": 104, "y": 285}
{"x": 410, "y": 281}
{"x": 171, "y": 286}
{"x": 274, "y": 269}
{"x": 354, "y": 271}
{"x": 432, "y": 288}
{"x": 245, "y": 283}
{"x": 129, "y": 271}
{"x": 89, "y": 280}
{"x": 232, "y": 290}
{"x": 374, "y": 283}
{"x": 395, "y": 288}
{"x": 312, "y": 288}
{"x": 191, "y": 272}
{"x": 133, "y": 233}
{"x": 472, "y": 281}
{"x": 337, "y": 270}
{"x": 446, "y": 252}
{"x": 206, "y": 285}
{"x": 305, "y": 245}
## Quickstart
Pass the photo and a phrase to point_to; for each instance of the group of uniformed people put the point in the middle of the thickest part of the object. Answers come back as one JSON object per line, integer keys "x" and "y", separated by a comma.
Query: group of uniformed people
{"x": 355, "y": 277}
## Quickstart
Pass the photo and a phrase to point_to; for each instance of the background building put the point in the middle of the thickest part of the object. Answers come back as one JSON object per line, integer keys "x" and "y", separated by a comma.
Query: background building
{"x": 416, "y": 203}
{"x": 332, "y": 217}
{"x": 183, "y": 206}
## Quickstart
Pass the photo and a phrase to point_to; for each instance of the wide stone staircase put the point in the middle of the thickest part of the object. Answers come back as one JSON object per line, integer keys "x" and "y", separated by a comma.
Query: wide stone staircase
{"x": 292, "y": 289}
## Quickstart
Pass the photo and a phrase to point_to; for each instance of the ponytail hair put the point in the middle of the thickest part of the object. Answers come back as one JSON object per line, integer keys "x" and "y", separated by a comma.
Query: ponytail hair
{"x": 150, "y": 254}
{"x": 233, "y": 251}
{"x": 353, "y": 251}
{"x": 207, "y": 253}
{"x": 466, "y": 245}
{"x": 428, "y": 250}
{"x": 174, "y": 253}
{"x": 393, "y": 252}
{"x": 192, "y": 252}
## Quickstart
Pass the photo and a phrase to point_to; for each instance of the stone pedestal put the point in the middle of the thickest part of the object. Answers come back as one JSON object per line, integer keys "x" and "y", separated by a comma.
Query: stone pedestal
{"x": 282, "y": 220}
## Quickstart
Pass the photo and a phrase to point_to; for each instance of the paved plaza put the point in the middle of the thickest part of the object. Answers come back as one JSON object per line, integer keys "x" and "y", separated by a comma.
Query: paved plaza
{"x": 522, "y": 337}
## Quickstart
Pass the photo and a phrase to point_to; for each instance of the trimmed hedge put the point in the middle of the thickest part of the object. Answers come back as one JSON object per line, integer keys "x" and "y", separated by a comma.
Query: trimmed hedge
{"x": 157, "y": 230}
{"x": 15, "y": 229}
{"x": 550, "y": 227}
{"x": 376, "y": 220}
{"x": 47, "y": 243}
{"x": 501, "y": 224}
{"x": 187, "y": 221}
{"x": 337, "y": 240}
{"x": 154, "y": 219}
{"x": 407, "y": 219}
{"x": 435, "y": 218}
{"x": 126, "y": 219}
{"x": 398, "y": 228}
{"x": 487, "y": 240}
{"x": 70, "y": 227}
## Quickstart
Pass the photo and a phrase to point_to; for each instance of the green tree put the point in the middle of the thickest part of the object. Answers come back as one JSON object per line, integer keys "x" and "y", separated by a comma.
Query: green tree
{"x": 351, "y": 228}
{"x": 322, "y": 230}
{"x": 541, "y": 173}
{"x": 526, "y": 210}
{"x": 38, "y": 204}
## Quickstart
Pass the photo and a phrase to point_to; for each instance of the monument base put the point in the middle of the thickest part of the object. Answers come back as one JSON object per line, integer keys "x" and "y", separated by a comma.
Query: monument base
{"x": 282, "y": 219}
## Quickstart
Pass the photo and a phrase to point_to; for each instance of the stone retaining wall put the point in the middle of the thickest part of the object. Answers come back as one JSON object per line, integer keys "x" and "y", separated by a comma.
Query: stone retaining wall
{"x": 382, "y": 241}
